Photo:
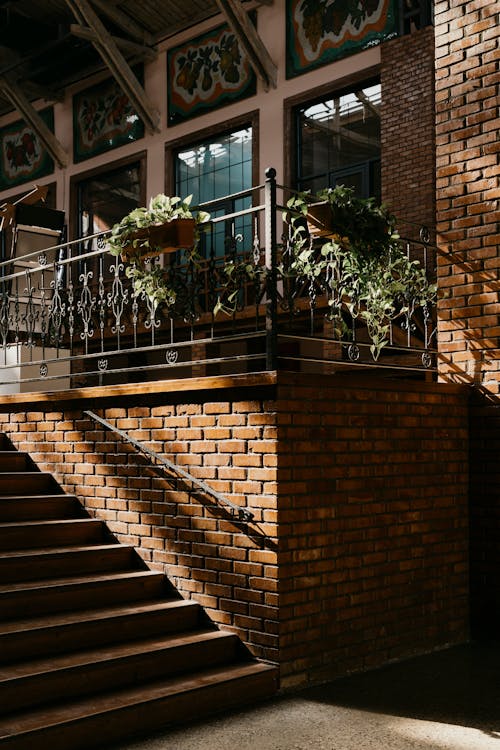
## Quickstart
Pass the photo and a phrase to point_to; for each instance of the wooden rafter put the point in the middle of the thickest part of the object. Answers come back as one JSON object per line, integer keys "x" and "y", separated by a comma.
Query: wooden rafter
{"x": 361, "y": 96}
{"x": 250, "y": 41}
{"x": 124, "y": 22}
{"x": 334, "y": 128}
{"x": 128, "y": 47}
{"x": 18, "y": 99}
{"x": 114, "y": 60}
{"x": 35, "y": 91}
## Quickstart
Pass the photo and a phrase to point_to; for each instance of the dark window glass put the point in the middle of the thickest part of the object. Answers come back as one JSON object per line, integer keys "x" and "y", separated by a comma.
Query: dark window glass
{"x": 214, "y": 169}
{"x": 106, "y": 198}
{"x": 339, "y": 142}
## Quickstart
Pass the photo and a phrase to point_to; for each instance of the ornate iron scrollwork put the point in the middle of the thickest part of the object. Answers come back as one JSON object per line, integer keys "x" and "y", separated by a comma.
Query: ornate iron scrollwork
{"x": 171, "y": 356}
{"x": 353, "y": 352}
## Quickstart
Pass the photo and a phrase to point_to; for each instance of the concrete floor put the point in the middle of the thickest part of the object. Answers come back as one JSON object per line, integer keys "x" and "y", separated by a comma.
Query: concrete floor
{"x": 444, "y": 701}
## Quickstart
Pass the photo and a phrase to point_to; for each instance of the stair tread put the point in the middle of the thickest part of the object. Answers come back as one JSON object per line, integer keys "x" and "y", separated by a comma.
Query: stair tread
{"x": 72, "y": 580}
{"x": 49, "y": 523}
{"x": 40, "y": 497}
{"x": 63, "y": 551}
{"x": 105, "y": 703}
{"x": 113, "y": 652}
{"x": 87, "y": 615}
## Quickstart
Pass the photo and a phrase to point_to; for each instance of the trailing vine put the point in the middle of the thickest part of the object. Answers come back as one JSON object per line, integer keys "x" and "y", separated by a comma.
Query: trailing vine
{"x": 362, "y": 266}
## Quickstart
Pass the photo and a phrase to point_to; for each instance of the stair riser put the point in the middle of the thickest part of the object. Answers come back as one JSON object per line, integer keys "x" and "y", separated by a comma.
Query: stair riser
{"x": 51, "y": 535}
{"x": 25, "y": 645}
{"x": 27, "y": 484}
{"x": 43, "y": 566}
{"x": 13, "y": 461}
{"x": 32, "y": 602}
{"x": 102, "y": 730}
{"x": 39, "y": 508}
{"x": 23, "y": 693}
{"x": 5, "y": 444}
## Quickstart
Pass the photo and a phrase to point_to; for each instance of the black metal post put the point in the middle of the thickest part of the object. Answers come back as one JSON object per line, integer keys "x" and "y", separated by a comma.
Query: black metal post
{"x": 271, "y": 270}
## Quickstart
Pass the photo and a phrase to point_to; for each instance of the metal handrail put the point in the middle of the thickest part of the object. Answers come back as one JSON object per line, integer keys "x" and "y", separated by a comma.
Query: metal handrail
{"x": 243, "y": 515}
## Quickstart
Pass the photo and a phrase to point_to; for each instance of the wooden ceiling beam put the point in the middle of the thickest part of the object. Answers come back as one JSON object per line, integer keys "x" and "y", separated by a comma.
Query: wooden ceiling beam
{"x": 35, "y": 91}
{"x": 11, "y": 91}
{"x": 361, "y": 96}
{"x": 250, "y": 41}
{"x": 128, "y": 47}
{"x": 124, "y": 22}
{"x": 114, "y": 60}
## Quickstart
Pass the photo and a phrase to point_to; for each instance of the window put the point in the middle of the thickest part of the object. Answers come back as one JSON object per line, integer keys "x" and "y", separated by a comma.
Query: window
{"x": 104, "y": 198}
{"x": 338, "y": 141}
{"x": 217, "y": 168}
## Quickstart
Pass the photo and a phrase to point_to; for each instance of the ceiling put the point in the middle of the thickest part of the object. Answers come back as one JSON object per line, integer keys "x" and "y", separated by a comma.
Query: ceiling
{"x": 43, "y": 48}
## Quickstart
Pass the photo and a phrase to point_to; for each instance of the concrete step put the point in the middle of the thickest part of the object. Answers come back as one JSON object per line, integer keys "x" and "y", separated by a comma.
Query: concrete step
{"x": 55, "y": 533}
{"x": 107, "y": 717}
{"x": 39, "y": 507}
{"x": 27, "y": 483}
{"x": 90, "y": 671}
{"x": 57, "y": 633}
{"x": 30, "y": 598}
{"x": 15, "y": 461}
{"x": 32, "y": 565}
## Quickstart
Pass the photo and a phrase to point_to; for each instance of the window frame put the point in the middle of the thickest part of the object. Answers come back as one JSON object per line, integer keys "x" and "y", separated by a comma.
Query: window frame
{"x": 75, "y": 180}
{"x": 172, "y": 148}
{"x": 365, "y": 77}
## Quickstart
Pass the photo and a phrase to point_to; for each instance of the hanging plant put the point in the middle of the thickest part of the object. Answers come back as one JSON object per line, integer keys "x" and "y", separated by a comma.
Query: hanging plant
{"x": 166, "y": 225}
{"x": 236, "y": 275}
{"x": 359, "y": 264}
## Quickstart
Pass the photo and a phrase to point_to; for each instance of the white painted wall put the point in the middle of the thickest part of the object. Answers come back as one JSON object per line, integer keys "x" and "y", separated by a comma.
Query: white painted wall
{"x": 271, "y": 27}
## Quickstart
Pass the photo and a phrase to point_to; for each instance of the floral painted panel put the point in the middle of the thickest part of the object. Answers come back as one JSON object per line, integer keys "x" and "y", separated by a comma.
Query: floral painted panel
{"x": 23, "y": 156}
{"x": 103, "y": 119}
{"x": 320, "y": 31}
{"x": 207, "y": 72}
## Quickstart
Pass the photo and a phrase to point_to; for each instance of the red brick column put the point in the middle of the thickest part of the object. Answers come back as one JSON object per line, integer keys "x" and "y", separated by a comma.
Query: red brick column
{"x": 407, "y": 124}
{"x": 468, "y": 190}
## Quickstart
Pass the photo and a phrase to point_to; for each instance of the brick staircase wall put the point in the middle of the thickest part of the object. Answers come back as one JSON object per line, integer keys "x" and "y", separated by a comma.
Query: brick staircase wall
{"x": 468, "y": 172}
{"x": 359, "y": 550}
{"x": 408, "y": 130}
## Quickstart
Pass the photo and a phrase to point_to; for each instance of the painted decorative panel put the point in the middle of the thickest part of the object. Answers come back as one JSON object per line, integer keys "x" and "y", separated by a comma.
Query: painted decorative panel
{"x": 23, "y": 157}
{"x": 320, "y": 31}
{"x": 207, "y": 72}
{"x": 103, "y": 119}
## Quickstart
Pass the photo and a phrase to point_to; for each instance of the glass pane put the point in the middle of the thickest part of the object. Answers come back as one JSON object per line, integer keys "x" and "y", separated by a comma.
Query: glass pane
{"x": 106, "y": 198}
{"x": 217, "y": 169}
{"x": 339, "y": 136}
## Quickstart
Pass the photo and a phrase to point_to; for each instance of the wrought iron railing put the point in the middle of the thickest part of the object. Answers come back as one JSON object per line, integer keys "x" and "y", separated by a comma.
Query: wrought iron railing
{"x": 176, "y": 474}
{"x": 69, "y": 316}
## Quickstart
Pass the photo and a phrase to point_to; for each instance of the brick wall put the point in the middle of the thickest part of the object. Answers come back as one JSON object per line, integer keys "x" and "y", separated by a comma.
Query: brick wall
{"x": 468, "y": 190}
{"x": 359, "y": 550}
{"x": 485, "y": 520}
{"x": 373, "y": 523}
{"x": 468, "y": 194}
{"x": 407, "y": 122}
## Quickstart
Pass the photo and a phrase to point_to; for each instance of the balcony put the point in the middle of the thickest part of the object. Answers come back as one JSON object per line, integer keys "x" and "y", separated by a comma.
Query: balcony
{"x": 69, "y": 316}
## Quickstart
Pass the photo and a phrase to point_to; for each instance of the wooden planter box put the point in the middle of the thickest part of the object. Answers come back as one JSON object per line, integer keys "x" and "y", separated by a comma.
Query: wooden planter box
{"x": 319, "y": 220}
{"x": 163, "y": 238}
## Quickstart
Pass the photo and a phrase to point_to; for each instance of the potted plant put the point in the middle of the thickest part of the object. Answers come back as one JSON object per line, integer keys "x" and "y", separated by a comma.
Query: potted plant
{"x": 359, "y": 262}
{"x": 168, "y": 224}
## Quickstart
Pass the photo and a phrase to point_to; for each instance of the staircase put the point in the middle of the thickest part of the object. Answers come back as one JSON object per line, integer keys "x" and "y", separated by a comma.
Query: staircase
{"x": 95, "y": 647}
